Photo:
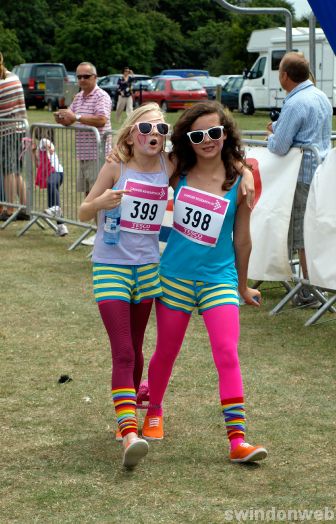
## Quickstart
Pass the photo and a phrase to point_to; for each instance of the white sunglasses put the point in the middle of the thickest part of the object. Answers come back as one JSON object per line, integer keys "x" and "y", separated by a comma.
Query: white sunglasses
{"x": 197, "y": 137}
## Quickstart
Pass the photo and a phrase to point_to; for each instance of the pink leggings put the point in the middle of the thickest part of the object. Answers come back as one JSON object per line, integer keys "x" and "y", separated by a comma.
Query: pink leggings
{"x": 222, "y": 324}
{"x": 125, "y": 325}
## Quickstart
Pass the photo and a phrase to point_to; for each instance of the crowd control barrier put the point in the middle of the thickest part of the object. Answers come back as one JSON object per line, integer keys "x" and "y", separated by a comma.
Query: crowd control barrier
{"x": 13, "y": 181}
{"x": 273, "y": 256}
{"x": 70, "y": 151}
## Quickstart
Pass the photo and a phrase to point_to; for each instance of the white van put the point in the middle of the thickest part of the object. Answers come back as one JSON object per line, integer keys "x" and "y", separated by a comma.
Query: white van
{"x": 262, "y": 89}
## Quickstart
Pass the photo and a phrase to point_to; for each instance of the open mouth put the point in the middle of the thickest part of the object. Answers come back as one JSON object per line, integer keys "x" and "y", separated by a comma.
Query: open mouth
{"x": 153, "y": 142}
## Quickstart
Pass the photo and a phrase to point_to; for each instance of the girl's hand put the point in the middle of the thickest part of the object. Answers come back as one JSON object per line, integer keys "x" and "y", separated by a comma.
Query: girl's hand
{"x": 113, "y": 156}
{"x": 247, "y": 186}
{"x": 110, "y": 198}
{"x": 251, "y": 296}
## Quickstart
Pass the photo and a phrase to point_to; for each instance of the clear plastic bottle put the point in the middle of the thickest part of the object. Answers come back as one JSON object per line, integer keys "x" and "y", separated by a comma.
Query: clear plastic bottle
{"x": 112, "y": 226}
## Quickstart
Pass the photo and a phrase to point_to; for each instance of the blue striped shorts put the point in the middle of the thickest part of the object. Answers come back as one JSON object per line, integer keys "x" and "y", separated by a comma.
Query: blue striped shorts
{"x": 185, "y": 295}
{"x": 131, "y": 284}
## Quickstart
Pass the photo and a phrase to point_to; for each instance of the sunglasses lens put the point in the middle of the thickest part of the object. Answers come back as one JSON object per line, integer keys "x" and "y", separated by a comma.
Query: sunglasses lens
{"x": 196, "y": 137}
{"x": 162, "y": 129}
{"x": 145, "y": 127}
{"x": 215, "y": 133}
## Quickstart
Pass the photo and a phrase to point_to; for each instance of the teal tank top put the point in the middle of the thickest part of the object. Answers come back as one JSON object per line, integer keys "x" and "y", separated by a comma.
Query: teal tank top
{"x": 186, "y": 259}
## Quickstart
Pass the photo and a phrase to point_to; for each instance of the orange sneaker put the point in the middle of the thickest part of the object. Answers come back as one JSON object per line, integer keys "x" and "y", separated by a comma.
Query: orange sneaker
{"x": 244, "y": 452}
{"x": 134, "y": 452}
{"x": 152, "y": 428}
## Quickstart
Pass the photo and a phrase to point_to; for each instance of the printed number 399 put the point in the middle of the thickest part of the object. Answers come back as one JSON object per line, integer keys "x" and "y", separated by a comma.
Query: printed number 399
{"x": 144, "y": 210}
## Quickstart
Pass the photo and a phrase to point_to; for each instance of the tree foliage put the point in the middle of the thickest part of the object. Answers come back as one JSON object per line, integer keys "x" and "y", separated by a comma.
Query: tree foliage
{"x": 147, "y": 35}
{"x": 9, "y": 46}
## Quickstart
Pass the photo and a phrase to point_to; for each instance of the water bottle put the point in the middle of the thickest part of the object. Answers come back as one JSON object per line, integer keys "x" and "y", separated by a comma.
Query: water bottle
{"x": 112, "y": 226}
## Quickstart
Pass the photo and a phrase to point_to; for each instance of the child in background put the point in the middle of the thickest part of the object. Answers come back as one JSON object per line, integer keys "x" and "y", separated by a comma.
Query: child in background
{"x": 49, "y": 175}
{"x": 205, "y": 265}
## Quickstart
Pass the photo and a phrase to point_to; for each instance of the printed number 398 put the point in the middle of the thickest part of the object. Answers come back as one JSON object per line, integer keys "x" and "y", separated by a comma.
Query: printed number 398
{"x": 197, "y": 218}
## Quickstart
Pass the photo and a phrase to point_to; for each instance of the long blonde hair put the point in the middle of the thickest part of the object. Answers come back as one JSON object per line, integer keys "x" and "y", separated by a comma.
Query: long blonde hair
{"x": 125, "y": 150}
{"x": 3, "y": 70}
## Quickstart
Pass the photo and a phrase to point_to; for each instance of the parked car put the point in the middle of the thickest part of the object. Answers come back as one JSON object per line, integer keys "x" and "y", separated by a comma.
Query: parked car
{"x": 34, "y": 78}
{"x": 210, "y": 84}
{"x": 173, "y": 94}
{"x": 230, "y": 91}
{"x": 72, "y": 77}
{"x": 109, "y": 84}
{"x": 185, "y": 73}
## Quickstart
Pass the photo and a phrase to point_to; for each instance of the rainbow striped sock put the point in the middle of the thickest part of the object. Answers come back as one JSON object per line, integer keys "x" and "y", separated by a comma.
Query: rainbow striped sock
{"x": 234, "y": 416}
{"x": 124, "y": 400}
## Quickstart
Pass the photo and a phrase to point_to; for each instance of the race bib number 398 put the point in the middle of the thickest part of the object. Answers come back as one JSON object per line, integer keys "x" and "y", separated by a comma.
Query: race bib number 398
{"x": 199, "y": 215}
{"x": 143, "y": 208}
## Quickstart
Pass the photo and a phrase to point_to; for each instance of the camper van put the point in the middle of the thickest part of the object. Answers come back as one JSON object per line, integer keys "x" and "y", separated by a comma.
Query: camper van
{"x": 262, "y": 89}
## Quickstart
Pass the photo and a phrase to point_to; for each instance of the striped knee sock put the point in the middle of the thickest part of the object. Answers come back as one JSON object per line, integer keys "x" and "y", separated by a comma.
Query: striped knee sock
{"x": 234, "y": 416}
{"x": 124, "y": 400}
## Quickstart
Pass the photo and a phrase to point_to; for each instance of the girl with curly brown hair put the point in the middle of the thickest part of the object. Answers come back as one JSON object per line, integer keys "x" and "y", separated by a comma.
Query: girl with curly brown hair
{"x": 205, "y": 265}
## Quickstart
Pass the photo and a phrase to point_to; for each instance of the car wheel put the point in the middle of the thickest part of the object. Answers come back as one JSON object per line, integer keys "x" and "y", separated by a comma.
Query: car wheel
{"x": 247, "y": 105}
{"x": 164, "y": 107}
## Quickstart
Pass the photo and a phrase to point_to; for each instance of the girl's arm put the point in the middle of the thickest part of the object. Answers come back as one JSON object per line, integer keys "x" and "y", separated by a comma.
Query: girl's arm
{"x": 247, "y": 183}
{"x": 243, "y": 245}
{"x": 101, "y": 195}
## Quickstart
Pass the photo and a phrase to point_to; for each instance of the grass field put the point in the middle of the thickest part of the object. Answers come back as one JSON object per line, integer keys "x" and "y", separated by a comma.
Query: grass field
{"x": 60, "y": 463}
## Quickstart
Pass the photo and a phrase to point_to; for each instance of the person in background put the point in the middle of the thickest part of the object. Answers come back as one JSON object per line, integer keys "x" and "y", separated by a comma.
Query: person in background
{"x": 124, "y": 90}
{"x": 12, "y": 106}
{"x": 205, "y": 265}
{"x": 305, "y": 119}
{"x": 90, "y": 107}
{"x": 49, "y": 175}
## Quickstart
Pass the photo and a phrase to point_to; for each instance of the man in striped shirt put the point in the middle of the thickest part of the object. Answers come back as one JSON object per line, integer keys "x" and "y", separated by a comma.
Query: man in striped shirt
{"x": 305, "y": 119}
{"x": 91, "y": 107}
{"x": 12, "y": 106}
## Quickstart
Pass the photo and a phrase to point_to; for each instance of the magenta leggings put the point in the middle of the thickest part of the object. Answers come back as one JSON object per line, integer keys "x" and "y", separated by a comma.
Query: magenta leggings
{"x": 222, "y": 324}
{"x": 125, "y": 325}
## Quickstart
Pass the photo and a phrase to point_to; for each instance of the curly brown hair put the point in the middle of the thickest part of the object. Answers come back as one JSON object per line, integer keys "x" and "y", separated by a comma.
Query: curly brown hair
{"x": 3, "y": 69}
{"x": 183, "y": 153}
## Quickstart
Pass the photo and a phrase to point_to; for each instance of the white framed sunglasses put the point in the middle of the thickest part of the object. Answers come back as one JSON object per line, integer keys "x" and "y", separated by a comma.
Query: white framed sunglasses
{"x": 145, "y": 128}
{"x": 197, "y": 137}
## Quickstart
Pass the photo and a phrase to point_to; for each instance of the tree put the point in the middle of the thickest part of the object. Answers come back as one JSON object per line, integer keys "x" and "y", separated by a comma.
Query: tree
{"x": 33, "y": 26}
{"x": 109, "y": 34}
{"x": 169, "y": 43}
{"x": 10, "y": 48}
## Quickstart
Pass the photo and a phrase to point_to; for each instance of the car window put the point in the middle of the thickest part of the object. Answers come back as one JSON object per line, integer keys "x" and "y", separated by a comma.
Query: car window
{"x": 159, "y": 86}
{"x": 24, "y": 72}
{"x": 237, "y": 83}
{"x": 43, "y": 71}
{"x": 185, "y": 85}
{"x": 104, "y": 81}
{"x": 229, "y": 85}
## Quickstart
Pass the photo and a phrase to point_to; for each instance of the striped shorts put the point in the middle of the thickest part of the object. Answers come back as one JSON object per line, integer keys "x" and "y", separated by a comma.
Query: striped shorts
{"x": 185, "y": 295}
{"x": 131, "y": 284}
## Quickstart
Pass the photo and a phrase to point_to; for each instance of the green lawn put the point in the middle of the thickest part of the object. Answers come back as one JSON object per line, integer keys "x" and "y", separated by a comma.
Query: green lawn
{"x": 60, "y": 463}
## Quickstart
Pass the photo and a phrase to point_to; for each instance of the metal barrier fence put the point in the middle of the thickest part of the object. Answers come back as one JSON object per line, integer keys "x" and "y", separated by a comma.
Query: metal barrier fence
{"x": 13, "y": 134}
{"x": 60, "y": 162}
{"x": 311, "y": 160}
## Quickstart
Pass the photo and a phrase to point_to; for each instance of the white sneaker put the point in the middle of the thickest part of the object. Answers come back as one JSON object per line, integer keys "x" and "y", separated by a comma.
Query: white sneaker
{"x": 54, "y": 211}
{"x": 62, "y": 230}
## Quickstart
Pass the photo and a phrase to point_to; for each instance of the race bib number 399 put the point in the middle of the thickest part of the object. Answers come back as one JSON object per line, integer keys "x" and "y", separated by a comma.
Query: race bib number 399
{"x": 142, "y": 209}
{"x": 199, "y": 215}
